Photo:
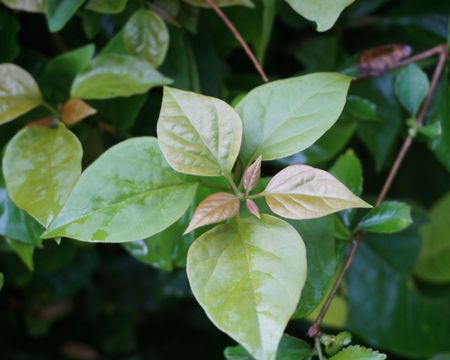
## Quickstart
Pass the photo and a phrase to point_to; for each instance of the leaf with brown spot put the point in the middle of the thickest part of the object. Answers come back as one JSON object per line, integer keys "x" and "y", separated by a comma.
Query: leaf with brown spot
{"x": 215, "y": 208}
{"x": 75, "y": 110}
{"x": 252, "y": 175}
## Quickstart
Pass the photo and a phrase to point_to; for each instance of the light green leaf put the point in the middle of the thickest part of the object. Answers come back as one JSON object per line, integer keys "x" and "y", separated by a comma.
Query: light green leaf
{"x": 303, "y": 192}
{"x": 290, "y": 348}
{"x": 107, "y": 6}
{"x": 389, "y": 217}
{"x": 284, "y": 117}
{"x": 434, "y": 258}
{"x": 411, "y": 87}
{"x": 41, "y": 165}
{"x": 114, "y": 75}
{"x": 19, "y": 93}
{"x": 198, "y": 135}
{"x": 36, "y": 6}
{"x": 127, "y": 194}
{"x": 221, "y": 3}
{"x": 248, "y": 277}
{"x": 59, "y": 12}
{"x": 145, "y": 35}
{"x": 356, "y": 352}
{"x": 323, "y": 12}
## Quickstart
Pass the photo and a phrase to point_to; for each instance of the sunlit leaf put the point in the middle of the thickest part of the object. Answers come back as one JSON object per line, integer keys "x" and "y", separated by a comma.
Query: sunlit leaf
{"x": 19, "y": 93}
{"x": 303, "y": 192}
{"x": 41, "y": 165}
{"x": 114, "y": 75}
{"x": 356, "y": 352}
{"x": 75, "y": 110}
{"x": 284, "y": 117}
{"x": 107, "y": 6}
{"x": 127, "y": 194}
{"x": 215, "y": 208}
{"x": 145, "y": 35}
{"x": 198, "y": 135}
{"x": 323, "y": 12}
{"x": 59, "y": 12}
{"x": 36, "y": 6}
{"x": 251, "y": 175}
{"x": 389, "y": 217}
{"x": 248, "y": 277}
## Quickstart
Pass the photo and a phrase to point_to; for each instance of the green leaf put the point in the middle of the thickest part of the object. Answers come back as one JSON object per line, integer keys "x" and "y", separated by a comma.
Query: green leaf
{"x": 303, "y": 192}
{"x": 107, "y": 6}
{"x": 356, "y": 352}
{"x": 359, "y": 108}
{"x": 127, "y": 194}
{"x": 2, "y": 280}
{"x": 24, "y": 251}
{"x": 323, "y": 12}
{"x": 41, "y": 165}
{"x": 114, "y": 75}
{"x": 290, "y": 348}
{"x": 9, "y": 28}
{"x": 19, "y": 93}
{"x": 62, "y": 70}
{"x": 284, "y": 117}
{"x": 204, "y": 3}
{"x": 411, "y": 87}
{"x": 347, "y": 169}
{"x": 25, "y": 5}
{"x": 434, "y": 258}
{"x": 389, "y": 217}
{"x": 198, "y": 135}
{"x": 145, "y": 35}
{"x": 59, "y": 12}
{"x": 248, "y": 277}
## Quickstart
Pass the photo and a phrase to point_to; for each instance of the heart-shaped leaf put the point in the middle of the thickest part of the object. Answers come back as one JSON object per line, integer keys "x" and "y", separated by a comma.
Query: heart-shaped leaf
{"x": 41, "y": 166}
{"x": 284, "y": 117}
{"x": 303, "y": 192}
{"x": 145, "y": 35}
{"x": 127, "y": 194}
{"x": 19, "y": 93}
{"x": 248, "y": 277}
{"x": 114, "y": 75}
{"x": 215, "y": 208}
{"x": 198, "y": 135}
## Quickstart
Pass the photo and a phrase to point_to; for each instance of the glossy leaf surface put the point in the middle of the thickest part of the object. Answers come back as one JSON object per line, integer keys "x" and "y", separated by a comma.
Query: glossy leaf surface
{"x": 128, "y": 194}
{"x": 284, "y": 117}
{"x": 59, "y": 12}
{"x": 389, "y": 217}
{"x": 198, "y": 135}
{"x": 41, "y": 165}
{"x": 114, "y": 75}
{"x": 248, "y": 277}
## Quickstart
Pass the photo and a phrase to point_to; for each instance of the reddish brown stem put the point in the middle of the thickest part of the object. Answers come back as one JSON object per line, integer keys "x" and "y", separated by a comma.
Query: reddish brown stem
{"x": 239, "y": 38}
{"x": 314, "y": 329}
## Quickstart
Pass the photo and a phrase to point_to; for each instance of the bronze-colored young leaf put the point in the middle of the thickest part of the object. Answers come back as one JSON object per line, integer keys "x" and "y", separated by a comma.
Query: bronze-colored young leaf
{"x": 303, "y": 192}
{"x": 215, "y": 208}
{"x": 75, "y": 110}
{"x": 253, "y": 208}
{"x": 252, "y": 175}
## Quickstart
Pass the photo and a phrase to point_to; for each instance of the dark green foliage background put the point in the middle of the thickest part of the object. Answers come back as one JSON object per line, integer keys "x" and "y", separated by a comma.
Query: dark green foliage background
{"x": 101, "y": 296}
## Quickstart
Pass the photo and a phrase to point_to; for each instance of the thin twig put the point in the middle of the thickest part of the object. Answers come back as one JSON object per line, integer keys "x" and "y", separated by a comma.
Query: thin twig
{"x": 239, "y": 38}
{"x": 314, "y": 329}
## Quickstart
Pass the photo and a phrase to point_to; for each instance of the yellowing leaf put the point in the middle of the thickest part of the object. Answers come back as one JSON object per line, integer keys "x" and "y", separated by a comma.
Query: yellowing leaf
{"x": 248, "y": 276}
{"x": 41, "y": 165}
{"x": 19, "y": 93}
{"x": 36, "y": 6}
{"x": 198, "y": 135}
{"x": 145, "y": 35}
{"x": 252, "y": 175}
{"x": 303, "y": 192}
{"x": 215, "y": 208}
{"x": 75, "y": 110}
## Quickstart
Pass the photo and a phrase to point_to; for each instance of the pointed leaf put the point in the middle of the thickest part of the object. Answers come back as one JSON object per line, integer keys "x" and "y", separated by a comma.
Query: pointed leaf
{"x": 356, "y": 352}
{"x": 145, "y": 35}
{"x": 284, "y": 117}
{"x": 389, "y": 217}
{"x": 114, "y": 75}
{"x": 411, "y": 87}
{"x": 75, "y": 110}
{"x": 41, "y": 165}
{"x": 303, "y": 192}
{"x": 347, "y": 169}
{"x": 107, "y": 6}
{"x": 127, "y": 194}
{"x": 215, "y": 208}
{"x": 252, "y": 175}
{"x": 36, "y": 6}
{"x": 248, "y": 277}
{"x": 323, "y": 12}
{"x": 59, "y": 12}
{"x": 198, "y": 135}
{"x": 253, "y": 208}
{"x": 19, "y": 93}
{"x": 24, "y": 251}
